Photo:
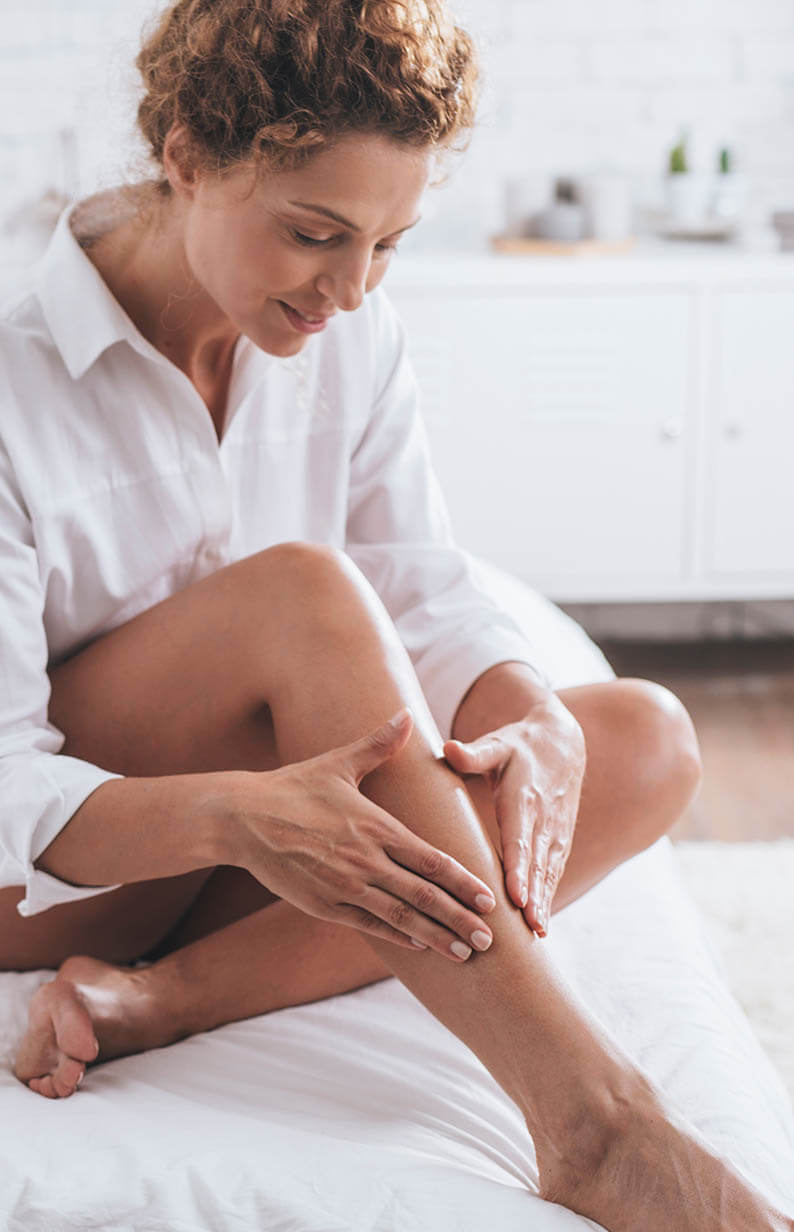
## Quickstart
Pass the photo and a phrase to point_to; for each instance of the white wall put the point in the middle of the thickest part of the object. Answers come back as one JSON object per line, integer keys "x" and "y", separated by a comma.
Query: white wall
{"x": 572, "y": 85}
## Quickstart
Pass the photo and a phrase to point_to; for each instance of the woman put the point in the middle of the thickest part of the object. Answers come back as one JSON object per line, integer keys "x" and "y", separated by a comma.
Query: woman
{"x": 199, "y": 764}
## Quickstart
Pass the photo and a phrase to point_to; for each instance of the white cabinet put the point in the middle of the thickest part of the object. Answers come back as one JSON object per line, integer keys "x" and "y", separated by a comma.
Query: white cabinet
{"x": 751, "y": 449}
{"x": 559, "y": 427}
{"x": 620, "y": 430}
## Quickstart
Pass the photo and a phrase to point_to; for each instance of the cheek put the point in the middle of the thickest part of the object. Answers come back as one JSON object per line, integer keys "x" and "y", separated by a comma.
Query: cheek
{"x": 231, "y": 263}
{"x": 377, "y": 272}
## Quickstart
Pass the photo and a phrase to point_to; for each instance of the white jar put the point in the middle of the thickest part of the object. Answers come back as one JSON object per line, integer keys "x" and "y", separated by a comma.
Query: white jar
{"x": 689, "y": 197}
{"x": 562, "y": 222}
{"x": 608, "y": 205}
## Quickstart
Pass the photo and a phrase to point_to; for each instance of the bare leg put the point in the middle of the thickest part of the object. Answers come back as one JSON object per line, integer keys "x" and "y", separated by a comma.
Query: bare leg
{"x": 578, "y": 1092}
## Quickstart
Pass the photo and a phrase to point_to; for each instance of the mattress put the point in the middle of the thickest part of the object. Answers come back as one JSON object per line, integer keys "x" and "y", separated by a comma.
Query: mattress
{"x": 362, "y": 1113}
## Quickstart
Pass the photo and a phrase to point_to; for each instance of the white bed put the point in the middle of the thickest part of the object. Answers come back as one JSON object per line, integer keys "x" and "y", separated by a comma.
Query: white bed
{"x": 363, "y": 1114}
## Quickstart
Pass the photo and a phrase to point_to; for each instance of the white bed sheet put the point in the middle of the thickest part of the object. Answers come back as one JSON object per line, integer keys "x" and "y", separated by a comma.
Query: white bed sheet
{"x": 362, "y": 1113}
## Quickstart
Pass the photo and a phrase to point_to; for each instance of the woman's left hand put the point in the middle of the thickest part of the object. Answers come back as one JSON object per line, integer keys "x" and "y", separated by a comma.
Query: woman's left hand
{"x": 535, "y": 769}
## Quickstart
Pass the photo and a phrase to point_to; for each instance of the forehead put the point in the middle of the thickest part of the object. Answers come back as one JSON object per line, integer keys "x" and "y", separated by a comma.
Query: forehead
{"x": 374, "y": 182}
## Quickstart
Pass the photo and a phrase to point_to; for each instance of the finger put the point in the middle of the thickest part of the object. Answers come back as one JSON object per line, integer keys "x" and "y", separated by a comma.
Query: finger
{"x": 558, "y": 858}
{"x": 476, "y": 757}
{"x": 515, "y": 857}
{"x": 439, "y": 868}
{"x": 413, "y": 899}
{"x": 365, "y": 755}
{"x": 516, "y": 815}
{"x": 535, "y": 913}
{"x": 400, "y": 915}
{"x": 373, "y": 926}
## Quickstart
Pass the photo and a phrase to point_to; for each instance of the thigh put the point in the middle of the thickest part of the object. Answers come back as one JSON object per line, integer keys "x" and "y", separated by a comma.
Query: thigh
{"x": 179, "y": 689}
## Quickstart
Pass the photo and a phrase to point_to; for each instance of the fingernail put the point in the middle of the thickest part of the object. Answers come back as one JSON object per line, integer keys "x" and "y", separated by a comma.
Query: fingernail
{"x": 484, "y": 902}
{"x": 80, "y": 1079}
{"x": 524, "y": 896}
{"x": 460, "y": 950}
{"x": 481, "y": 940}
{"x": 420, "y": 945}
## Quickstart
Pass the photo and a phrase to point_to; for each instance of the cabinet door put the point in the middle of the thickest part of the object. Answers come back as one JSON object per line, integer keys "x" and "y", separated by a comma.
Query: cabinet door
{"x": 750, "y": 512}
{"x": 560, "y": 427}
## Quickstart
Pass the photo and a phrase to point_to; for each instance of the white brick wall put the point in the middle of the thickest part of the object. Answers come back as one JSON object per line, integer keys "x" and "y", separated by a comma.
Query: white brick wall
{"x": 571, "y": 86}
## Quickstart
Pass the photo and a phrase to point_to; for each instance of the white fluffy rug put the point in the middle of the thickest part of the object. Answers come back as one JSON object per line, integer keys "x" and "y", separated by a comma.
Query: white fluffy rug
{"x": 745, "y": 894}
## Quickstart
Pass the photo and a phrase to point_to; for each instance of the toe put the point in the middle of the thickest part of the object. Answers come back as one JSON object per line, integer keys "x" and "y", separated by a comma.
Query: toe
{"x": 43, "y": 1086}
{"x": 67, "y": 1076}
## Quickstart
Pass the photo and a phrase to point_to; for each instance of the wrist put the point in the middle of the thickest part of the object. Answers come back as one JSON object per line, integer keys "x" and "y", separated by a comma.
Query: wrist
{"x": 220, "y": 829}
{"x": 551, "y": 719}
{"x": 507, "y": 693}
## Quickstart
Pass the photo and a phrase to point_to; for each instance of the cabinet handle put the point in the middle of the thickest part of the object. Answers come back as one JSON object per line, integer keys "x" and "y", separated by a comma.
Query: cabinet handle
{"x": 672, "y": 430}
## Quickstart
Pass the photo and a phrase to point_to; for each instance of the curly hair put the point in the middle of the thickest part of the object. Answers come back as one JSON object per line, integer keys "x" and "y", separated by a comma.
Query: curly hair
{"x": 272, "y": 81}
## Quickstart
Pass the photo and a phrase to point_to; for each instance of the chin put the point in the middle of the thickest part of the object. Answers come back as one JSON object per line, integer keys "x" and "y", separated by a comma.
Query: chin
{"x": 282, "y": 347}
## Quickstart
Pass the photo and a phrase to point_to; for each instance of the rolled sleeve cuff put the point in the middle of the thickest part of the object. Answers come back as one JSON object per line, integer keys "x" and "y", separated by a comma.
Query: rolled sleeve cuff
{"x": 43, "y": 891}
{"x": 56, "y": 786}
{"x": 446, "y": 680}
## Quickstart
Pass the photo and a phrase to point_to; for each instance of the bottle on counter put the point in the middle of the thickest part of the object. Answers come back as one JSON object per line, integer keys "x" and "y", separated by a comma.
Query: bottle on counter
{"x": 564, "y": 220}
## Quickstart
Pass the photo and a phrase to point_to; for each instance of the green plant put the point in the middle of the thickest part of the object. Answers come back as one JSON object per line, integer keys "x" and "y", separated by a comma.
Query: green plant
{"x": 678, "y": 159}
{"x": 726, "y": 161}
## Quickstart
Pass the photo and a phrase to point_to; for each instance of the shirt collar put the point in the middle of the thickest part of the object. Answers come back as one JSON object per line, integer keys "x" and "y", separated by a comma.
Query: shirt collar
{"x": 85, "y": 318}
{"x": 82, "y": 314}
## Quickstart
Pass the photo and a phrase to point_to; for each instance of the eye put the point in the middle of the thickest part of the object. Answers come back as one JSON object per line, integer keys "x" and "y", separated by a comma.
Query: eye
{"x": 308, "y": 240}
{"x": 385, "y": 249}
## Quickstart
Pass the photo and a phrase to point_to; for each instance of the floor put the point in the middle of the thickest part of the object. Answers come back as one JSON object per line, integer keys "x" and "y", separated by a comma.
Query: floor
{"x": 741, "y": 698}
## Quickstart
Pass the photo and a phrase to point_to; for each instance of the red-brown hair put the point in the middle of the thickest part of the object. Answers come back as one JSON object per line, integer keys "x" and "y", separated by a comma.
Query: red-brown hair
{"x": 272, "y": 81}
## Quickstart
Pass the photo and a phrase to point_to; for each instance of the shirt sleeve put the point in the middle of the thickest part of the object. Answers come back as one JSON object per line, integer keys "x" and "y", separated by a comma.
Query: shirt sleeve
{"x": 399, "y": 535}
{"x": 40, "y": 789}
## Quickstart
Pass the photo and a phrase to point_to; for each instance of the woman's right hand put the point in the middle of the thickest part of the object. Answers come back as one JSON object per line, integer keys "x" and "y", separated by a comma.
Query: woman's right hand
{"x": 308, "y": 834}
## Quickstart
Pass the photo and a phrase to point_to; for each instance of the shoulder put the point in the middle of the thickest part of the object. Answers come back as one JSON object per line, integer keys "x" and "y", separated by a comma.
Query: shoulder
{"x": 24, "y": 334}
{"x": 34, "y": 382}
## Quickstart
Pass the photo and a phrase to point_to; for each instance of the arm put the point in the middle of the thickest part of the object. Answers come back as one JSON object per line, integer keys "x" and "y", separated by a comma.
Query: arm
{"x": 505, "y": 694}
{"x": 39, "y": 788}
{"x": 137, "y": 829}
{"x": 68, "y": 828}
{"x": 529, "y": 746}
{"x": 399, "y": 535}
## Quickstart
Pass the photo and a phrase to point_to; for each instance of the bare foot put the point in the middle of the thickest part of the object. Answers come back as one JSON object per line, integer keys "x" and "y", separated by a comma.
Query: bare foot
{"x": 658, "y": 1174}
{"x": 91, "y": 1011}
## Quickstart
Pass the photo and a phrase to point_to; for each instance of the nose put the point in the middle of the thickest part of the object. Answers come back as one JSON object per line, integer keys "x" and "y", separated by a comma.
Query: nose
{"x": 345, "y": 282}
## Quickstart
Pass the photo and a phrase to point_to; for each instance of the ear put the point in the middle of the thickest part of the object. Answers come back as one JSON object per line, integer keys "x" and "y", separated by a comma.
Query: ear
{"x": 180, "y": 161}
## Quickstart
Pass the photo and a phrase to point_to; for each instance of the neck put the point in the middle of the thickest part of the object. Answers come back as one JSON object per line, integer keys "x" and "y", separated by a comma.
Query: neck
{"x": 141, "y": 256}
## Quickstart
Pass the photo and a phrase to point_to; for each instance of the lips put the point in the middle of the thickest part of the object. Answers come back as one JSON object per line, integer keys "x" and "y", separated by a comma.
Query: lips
{"x": 304, "y": 322}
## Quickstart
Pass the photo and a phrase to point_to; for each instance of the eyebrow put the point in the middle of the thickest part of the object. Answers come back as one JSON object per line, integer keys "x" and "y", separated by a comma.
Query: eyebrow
{"x": 345, "y": 222}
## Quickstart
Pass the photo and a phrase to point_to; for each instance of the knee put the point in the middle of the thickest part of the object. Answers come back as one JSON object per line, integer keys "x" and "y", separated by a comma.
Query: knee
{"x": 663, "y": 745}
{"x": 311, "y": 574}
{"x": 323, "y": 588}
{"x": 306, "y": 565}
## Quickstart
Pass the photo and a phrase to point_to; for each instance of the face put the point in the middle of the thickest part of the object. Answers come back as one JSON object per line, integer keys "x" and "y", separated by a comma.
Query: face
{"x": 279, "y": 261}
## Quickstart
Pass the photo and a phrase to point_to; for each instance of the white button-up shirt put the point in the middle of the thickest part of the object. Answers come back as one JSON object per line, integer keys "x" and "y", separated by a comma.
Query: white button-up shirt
{"x": 115, "y": 493}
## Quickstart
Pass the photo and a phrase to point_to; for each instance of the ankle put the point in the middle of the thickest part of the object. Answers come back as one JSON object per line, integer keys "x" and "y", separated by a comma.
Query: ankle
{"x": 581, "y": 1139}
{"x": 162, "y": 1003}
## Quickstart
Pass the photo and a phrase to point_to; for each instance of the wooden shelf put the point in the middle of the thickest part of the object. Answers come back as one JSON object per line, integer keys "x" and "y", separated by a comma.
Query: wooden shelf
{"x": 519, "y": 246}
